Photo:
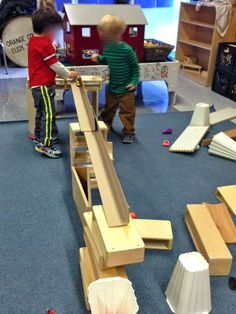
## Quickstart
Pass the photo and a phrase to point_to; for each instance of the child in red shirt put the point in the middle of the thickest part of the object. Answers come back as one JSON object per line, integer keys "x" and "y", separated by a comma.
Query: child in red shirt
{"x": 43, "y": 67}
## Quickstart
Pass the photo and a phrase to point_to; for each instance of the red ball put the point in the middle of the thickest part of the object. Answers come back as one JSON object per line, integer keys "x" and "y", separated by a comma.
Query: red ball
{"x": 133, "y": 215}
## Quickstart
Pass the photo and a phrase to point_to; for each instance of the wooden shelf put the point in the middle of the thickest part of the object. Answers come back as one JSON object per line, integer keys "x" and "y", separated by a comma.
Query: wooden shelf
{"x": 198, "y": 23}
{"x": 195, "y": 43}
{"x": 195, "y": 76}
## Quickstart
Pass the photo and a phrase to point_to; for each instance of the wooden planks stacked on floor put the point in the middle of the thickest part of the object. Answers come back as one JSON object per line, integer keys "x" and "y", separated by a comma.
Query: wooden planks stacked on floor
{"x": 207, "y": 239}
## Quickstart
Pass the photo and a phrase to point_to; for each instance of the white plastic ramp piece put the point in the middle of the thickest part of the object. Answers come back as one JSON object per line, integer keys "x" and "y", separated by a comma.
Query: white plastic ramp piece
{"x": 223, "y": 146}
{"x": 200, "y": 115}
{"x": 188, "y": 291}
{"x": 112, "y": 295}
{"x": 222, "y": 115}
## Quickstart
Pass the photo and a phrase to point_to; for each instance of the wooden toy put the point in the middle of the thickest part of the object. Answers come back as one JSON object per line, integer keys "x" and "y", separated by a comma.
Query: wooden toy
{"x": 222, "y": 115}
{"x": 227, "y": 195}
{"x": 223, "y": 221}
{"x": 208, "y": 239}
{"x": 156, "y": 234}
{"x": 80, "y": 29}
{"x": 190, "y": 64}
{"x": 121, "y": 245}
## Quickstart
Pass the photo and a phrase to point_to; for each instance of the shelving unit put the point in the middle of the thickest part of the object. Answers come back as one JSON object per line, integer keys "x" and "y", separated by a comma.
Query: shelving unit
{"x": 198, "y": 37}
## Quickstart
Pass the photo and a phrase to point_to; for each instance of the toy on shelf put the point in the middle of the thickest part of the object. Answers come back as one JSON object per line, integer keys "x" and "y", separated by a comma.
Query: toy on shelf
{"x": 80, "y": 29}
{"x": 190, "y": 64}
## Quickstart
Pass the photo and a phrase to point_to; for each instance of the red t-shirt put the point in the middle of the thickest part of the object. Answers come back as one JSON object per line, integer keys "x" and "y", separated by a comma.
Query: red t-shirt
{"x": 41, "y": 54}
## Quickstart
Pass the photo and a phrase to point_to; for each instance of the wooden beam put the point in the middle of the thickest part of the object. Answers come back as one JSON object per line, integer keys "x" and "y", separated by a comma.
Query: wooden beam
{"x": 208, "y": 239}
{"x": 156, "y": 234}
{"x": 231, "y": 133}
{"x": 114, "y": 202}
{"x": 227, "y": 195}
{"x": 121, "y": 245}
{"x": 83, "y": 108}
{"x": 223, "y": 221}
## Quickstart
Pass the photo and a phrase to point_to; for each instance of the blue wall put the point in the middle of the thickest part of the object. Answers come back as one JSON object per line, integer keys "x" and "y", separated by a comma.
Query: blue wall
{"x": 143, "y": 3}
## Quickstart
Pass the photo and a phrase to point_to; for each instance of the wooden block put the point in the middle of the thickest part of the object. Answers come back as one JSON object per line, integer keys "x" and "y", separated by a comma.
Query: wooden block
{"x": 114, "y": 202}
{"x": 227, "y": 195}
{"x": 76, "y": 130}
{"x": 103, "y": 273}
{"x": 231, "y": 133}
{"x": 87, "y": 273}
{"x": 79, "y": 194}
{"x": 208, "y": 239}
{"x": 223, "y": 221}
{"x": 156, "y": 234}
{"x": 121, "y": 245}
{"x": 218, "y": 116}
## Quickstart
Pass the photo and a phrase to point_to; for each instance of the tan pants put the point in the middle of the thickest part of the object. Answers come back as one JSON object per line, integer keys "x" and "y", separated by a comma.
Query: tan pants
{"x": 126, "y": 103}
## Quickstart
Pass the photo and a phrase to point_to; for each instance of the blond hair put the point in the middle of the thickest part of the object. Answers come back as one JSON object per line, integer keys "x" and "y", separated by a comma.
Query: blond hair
{"x": 47, "y": 4}
{"x": 112, "y": 25}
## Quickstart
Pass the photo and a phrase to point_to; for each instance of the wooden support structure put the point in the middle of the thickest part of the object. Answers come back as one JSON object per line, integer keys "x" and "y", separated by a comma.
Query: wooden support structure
{"x": 231, "y": 133}
{"x": 208, "y": 239}
{"x": 223, "y": 221}
{"x": 156, "y": 234}
{"x": 113, "y": 246}
{"x": 227, "y": 195}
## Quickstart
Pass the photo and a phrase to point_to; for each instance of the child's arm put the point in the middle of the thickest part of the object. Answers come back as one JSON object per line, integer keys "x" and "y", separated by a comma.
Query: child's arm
{"x": 134, "y": 67}
{"x": 99, "y": 59}
{"x": 62, "y": 71}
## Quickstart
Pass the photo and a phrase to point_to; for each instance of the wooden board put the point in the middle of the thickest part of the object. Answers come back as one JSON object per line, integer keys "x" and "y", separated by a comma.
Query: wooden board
{"x": 79, "y": 195}
{"x": 208, "y": 239}
{"x": 87, "y": 273}
{"x": 156, "y": 234}
{"x": 231, "y": 133}
{"x": 223, "y": 221}
{"x": 83, "y": 108}
{"x": 227, "y": 195}
{"x": 222, "y": 115}
{"x": 114, "y": 202}
{"x": 121, "y": 245}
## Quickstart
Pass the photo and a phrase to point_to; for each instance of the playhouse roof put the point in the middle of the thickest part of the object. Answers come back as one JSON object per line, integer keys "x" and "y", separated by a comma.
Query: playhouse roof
{"x": 91, "y": 14}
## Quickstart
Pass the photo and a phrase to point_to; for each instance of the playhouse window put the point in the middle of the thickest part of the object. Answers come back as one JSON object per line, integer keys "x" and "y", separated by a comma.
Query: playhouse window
{"x": 133, "y": 31}
{"x": 68, "y": 27}
{"x": 86, "y": 32}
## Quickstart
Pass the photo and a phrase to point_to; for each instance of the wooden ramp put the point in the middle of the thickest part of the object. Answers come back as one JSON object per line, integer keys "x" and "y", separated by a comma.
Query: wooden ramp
{"x": 208, "y": 239}
{"x": 227, "y": 195}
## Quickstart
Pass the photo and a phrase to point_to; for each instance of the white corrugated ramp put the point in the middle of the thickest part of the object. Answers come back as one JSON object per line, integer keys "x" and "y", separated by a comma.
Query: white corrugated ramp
{"x": 223, "y": 146}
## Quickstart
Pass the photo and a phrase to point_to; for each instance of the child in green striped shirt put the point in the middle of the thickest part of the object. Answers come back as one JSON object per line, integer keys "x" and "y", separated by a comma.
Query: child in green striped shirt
{"x": 124, "y": 75}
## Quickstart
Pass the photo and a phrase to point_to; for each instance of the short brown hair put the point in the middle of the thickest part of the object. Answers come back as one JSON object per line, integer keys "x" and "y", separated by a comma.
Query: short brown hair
{"x": 112, "y": 25}
{"x": 43, "y": 19}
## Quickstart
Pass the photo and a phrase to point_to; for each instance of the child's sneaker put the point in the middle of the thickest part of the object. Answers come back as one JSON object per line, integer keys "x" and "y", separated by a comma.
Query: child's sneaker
{"x": 128, "y": 139}
{"x": 51, "y": 152}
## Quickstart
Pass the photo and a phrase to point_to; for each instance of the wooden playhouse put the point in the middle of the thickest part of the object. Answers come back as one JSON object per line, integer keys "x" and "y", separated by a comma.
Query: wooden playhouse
{"x": 80, "y": 29}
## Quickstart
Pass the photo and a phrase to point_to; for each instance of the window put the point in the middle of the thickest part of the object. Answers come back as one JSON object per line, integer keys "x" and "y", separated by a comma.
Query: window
{"x": 86, "y": 32}
{"x": 68, "y": 27}
{"x": 133, "y": 31}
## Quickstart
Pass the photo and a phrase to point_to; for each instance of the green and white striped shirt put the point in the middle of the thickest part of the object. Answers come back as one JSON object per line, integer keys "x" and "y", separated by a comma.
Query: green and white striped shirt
{"x": 123, "y": 65}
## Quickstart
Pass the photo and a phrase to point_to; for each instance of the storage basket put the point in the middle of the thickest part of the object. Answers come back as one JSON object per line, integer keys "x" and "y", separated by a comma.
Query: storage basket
{"x": 222, "y": 82}
{"x": 226, "y": 57}
{"x": 158, "y": 53}
{"x": 232, "y": 90}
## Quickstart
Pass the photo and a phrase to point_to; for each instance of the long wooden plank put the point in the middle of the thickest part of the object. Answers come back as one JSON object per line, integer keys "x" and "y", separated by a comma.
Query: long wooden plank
{"x": 208, "y": 239}
{"x": 114, "y": 202}
{"x": 121, "y": 245}
{"x": 231, "y": 133}
{"x": 223, "y": 221}
{"x": 222, "y": 115}
{"x": 227, "y": 195}
{"x": 83, "y": 108}
{"x": 156, "y": 234}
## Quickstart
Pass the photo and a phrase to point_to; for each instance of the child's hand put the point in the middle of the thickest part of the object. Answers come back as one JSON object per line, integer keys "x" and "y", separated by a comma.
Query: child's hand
{"x": 94, "y": 57}
{"x": 73, "y": 74}
{"x": 130, "y": 87}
